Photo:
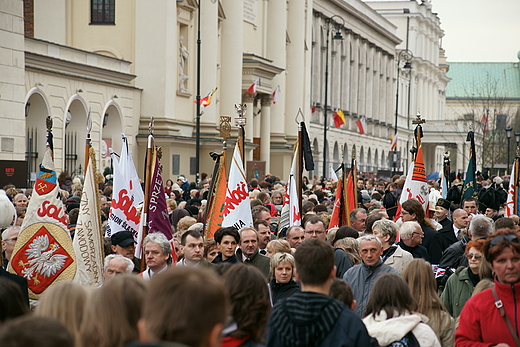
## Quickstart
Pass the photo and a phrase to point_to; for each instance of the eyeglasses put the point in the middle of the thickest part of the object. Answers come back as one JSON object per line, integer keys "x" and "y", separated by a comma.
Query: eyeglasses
{"x": 416, "y": 233}
{"x": 13, "y": 239}
{"x": 510, "y": 237}
{"x": 317, "y": 232}
{"x": 471, "y": 256}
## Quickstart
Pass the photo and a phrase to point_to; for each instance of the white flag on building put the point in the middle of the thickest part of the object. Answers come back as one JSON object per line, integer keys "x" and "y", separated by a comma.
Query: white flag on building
{"x": 237, "y": 208}
{"x": 88, "y": 240}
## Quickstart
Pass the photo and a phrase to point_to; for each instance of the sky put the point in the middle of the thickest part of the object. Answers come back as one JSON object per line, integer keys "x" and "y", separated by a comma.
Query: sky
{"x": 479, "y": 30}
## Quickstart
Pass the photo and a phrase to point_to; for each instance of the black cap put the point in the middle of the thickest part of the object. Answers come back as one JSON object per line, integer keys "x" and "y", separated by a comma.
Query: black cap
{"x": 122, "y": 238}
{"x": 443, "y": 203}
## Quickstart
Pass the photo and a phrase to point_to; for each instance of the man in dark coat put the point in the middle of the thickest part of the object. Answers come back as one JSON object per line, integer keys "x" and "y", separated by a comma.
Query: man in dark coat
{"x": 448, "y": 235}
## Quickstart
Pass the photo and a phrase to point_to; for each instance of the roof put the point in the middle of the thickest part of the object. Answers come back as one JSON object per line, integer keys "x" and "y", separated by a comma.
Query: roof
{"x": 483, "y": 80}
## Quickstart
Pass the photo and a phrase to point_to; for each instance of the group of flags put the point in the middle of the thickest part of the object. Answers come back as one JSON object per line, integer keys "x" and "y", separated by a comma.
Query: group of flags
{"x": 339, "y": 119}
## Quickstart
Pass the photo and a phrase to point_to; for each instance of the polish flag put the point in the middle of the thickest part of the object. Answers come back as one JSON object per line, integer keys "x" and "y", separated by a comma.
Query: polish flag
{"x": 252, "y": 88}
{"x": 275, "y": 94}
{"x": 362, "y": 125}
{"x": 313, "y": 108}
{"x": 393, "y": 141}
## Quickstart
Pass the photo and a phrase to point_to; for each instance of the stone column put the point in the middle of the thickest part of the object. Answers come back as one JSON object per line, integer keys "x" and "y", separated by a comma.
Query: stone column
{"x": 249, "y": 99}
{"x": 209, "y": 59}
{"x": 232, "y": 33}
{"x": 265, "y": 131}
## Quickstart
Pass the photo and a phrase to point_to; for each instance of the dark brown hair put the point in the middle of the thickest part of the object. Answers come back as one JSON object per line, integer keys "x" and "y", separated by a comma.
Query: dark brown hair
{"x": 183, "y": 305}
{"x": 392, "y": 295}
{"x": 314, "y": 261}
{"x": 414, "y": 206}
{"x": 250, "y": 304}
{"x": 340, "y": 290}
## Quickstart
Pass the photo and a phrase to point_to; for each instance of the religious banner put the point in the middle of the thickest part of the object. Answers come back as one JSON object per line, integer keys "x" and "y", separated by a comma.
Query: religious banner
{"x": 88, "y": 240}
{"x": 43, "y": 253}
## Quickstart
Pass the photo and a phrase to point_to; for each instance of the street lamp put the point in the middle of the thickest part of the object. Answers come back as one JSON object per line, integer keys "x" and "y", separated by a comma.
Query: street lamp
{"x": 405, "y": 56}
{"x": 337, "y": 36}
{"x": 517, "y": 138}
{"x": 509, "y": 130}
{"x": 197, "y": 98}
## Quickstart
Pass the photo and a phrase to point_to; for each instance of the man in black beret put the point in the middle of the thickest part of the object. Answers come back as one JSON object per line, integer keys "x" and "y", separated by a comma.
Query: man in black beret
{"x": 123, "y": 243}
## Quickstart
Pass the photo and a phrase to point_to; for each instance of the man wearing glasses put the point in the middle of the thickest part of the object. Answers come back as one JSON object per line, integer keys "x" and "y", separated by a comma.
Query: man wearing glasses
{"x": 315, "y": 229}
{"x": 411, "y": 239}
{"x": 9, "y": 237}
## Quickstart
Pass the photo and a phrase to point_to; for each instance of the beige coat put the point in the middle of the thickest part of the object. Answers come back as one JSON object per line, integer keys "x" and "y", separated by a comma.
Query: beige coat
{"x": 399, "y": 259}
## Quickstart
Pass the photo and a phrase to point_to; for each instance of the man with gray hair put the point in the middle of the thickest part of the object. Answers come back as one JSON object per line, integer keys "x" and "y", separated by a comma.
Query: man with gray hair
{"x": 363, "y": 276}
{"x": 9, "y": 237}
{"x": 358, "y": 219}
{"x": 412, "y": 236}
{"x": 115, "y": 265}
{"x": 393, "y": 254}
{"x": 480, "y": 227}
{"x": 158, "y": 254}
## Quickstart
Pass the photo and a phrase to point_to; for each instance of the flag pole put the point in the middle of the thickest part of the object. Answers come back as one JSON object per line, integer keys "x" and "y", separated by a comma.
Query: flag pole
{"x": 299, "y": 174}
{"x": 147, "y": 186}
{"x": 88, "y": 142}
{"x": 354, "y": 177}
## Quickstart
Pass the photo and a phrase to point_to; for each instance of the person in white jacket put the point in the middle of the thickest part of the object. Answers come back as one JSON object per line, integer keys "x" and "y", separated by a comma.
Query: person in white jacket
{"x": 390, "y": 315}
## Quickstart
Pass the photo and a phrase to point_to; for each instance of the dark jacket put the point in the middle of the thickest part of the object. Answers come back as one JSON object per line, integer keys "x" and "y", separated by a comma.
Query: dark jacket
{"x": 453, "y": 256}
{"x": 20, "y": 281}
{"x": 429, "y": 233}
{"x": 312, "y": 319}
{"x": 218, "y": 259}
{"x": 281, "y": 291}
{"x": 260, "y": 261}
{"x": 417, "y": 252}
{"x": 343, "y": 262}
{"x": 442, "y": 240}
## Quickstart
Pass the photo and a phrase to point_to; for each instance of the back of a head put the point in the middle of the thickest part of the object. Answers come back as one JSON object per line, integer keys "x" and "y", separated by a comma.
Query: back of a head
{"x": 340, "y": 290}
{"x": 345, "y": 231}
{"x": 65, "y": 301}
{"x": 195, "y": 297}
{"x": 33, "y": 331}
{"x": 12, "y": 303}
{"x": 481, "y": 226}
{"x": 391, "y": 294}
{"x": 314, "y": 261}
{"x": 249, "y": 298}
{"x": 112, "y": 312}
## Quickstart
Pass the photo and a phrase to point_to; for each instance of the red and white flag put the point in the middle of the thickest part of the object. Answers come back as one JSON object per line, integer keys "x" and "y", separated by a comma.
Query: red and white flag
{"x": 415, "y": 186}
{"x": 237, "y": 208}
{"x": 88, "y": 241}
{"x": 43, "y": 253}
{"x": 393, "y": 141}
{"x": 276, "y": 95}
{"x": 206, "y": 101}
{"x": 252, "y": 88}
{"x": 126, "y": 196}
{"x": 485, "y": 121}
{"x": 291, "y": 215}
{"x": 362, "y": 125}
{"x": 313, "y": 107}
{"x": 511, "y": 194}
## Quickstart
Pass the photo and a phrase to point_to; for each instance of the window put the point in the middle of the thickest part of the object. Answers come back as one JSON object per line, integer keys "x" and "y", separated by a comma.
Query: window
{"x": 176, "y": 164}
{"x": 102, "y": 12}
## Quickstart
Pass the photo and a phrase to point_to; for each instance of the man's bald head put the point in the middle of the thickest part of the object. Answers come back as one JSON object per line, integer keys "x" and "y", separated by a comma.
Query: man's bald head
{"x": 460, "y": 218}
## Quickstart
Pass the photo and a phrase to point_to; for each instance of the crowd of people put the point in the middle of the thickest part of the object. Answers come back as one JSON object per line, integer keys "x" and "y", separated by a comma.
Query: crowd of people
{"x": 447, "y": 276}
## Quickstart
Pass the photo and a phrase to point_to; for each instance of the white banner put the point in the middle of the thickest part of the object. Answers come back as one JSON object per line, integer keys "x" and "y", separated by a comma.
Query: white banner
{"x": 237, "y": 208}
{"x": 88, "y": 243}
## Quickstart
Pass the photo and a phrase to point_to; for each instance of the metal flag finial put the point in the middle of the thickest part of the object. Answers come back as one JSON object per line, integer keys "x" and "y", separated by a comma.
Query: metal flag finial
{"x": 151, "y": 125}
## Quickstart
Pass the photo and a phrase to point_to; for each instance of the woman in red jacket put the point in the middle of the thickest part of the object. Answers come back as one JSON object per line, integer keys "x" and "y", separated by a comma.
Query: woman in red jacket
{"x": 492, "y": 317}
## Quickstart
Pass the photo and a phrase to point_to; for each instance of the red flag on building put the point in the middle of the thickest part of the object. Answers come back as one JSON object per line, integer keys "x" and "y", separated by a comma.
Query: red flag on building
{"x": 276, "y": 94}
{"x": 361, "y": 124}
{"x": 252, "y": 88}
{"x": 313, "y": 107}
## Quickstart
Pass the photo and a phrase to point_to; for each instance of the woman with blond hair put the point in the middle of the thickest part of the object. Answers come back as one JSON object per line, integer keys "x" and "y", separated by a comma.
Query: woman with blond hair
{"x": 65, "y": 302}
{"x": 112, "y": 313}
{"x": 278, "y": 246}
{"x": 419, "y": 276}
{"x": 282, "y": 284}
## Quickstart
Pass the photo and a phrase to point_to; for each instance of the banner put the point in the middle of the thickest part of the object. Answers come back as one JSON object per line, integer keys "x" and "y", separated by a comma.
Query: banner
{"x": 43, "y": 253}
{"x": 158, "y": 218}
{"x": 237, "y": 208}
{"x": 88, "y": 241}
{"x": 126, "y": 196}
